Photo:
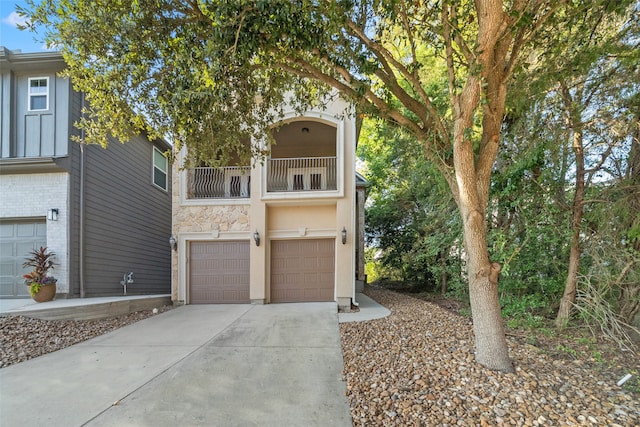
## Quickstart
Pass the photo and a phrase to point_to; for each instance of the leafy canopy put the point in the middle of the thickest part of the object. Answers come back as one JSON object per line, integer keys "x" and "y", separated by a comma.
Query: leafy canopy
{"x": 211, "y": 74}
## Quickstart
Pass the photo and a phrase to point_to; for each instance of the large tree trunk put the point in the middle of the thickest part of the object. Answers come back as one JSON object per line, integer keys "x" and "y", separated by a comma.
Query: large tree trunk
{"x": 472, "y": 174}
{"x": 491, "y": 346}
{"x": 471, "y": 187}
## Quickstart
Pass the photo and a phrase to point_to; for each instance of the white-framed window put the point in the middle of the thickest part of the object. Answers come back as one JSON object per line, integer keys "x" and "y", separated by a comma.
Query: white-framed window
{"x": 160, "y": 167}
{"x": 38, "y": 93}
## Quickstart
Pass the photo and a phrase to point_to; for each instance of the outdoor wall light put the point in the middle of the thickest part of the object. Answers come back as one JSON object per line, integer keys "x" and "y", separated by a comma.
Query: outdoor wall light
{"x": 173, "y": 243}
{"x": 344, "y": 236}
{"x": 256, "y": 237}
{"x": 52, "y": 214}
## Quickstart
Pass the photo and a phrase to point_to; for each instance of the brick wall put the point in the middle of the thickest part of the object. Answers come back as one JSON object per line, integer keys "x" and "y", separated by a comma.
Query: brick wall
{"x": 30, "y": 196}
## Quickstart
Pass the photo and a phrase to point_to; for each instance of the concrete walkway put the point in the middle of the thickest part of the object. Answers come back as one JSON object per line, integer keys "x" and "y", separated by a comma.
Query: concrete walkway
{"x": 197, "y": 365}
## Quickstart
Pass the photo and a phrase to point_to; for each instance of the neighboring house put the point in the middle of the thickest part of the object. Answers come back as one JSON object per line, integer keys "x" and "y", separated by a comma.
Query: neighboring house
{"x": 285, "y": 230}
{"x": 104, "y": 212}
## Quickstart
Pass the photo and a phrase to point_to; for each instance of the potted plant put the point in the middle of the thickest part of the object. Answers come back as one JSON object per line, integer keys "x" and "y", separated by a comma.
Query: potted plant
{"x": 41, "y": 286}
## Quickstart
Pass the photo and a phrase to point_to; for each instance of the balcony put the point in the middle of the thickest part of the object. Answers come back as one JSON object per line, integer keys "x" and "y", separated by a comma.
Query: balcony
{"x": 232, "y": 182}
{"x": 301, "y": 174}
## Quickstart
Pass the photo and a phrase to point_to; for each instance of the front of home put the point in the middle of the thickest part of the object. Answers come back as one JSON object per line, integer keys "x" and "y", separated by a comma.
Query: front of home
{"x": 287, "y": 229}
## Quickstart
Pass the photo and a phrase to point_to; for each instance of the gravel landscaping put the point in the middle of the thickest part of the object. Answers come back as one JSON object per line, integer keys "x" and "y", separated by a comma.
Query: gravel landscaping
{"x": 23, "y": 338}
{"x": 416, "y": 368}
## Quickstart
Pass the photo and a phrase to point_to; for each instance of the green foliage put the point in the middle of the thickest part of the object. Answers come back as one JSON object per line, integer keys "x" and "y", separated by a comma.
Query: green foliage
{"x": 411, "y": 218}
{"x": 567, "y": 350}
{"x": 633, "y": 384}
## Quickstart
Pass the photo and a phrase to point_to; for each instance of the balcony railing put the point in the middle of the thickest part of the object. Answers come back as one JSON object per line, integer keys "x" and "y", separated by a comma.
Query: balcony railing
{"x": 301, "y": 174}
{"x": 233, "y": 182}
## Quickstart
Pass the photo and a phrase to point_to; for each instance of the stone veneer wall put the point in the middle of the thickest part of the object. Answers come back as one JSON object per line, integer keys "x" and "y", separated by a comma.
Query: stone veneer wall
{"x": 194, "y": 219}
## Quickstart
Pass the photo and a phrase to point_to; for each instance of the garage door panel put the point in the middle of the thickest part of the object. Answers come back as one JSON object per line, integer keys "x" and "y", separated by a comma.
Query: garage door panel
{"x": 219, "y": 272}
{"x": 302, "y": 270}
{"x": 19, "y": 238}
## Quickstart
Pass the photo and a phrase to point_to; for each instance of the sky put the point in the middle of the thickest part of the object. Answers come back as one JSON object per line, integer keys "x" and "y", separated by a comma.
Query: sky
{"x": 10, "y": 36}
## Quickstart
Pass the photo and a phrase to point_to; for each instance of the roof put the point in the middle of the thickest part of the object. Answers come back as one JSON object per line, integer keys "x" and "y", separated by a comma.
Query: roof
{"x": 15, "y": 60}
{"x": 361, "y": 181}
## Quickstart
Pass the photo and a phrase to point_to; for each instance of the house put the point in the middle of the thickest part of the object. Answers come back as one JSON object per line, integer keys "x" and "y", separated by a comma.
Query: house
{"x": 103, "y": 212}
{"x": 288, "y": 229}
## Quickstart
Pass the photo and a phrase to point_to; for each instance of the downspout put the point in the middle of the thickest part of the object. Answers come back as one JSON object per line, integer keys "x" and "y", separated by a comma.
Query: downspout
{"x": 81, "y": 219}
{"x": 354, "y": 220}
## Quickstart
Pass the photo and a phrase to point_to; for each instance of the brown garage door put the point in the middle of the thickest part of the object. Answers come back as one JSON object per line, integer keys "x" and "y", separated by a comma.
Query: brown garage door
{"x": 302, "y": 270}
{"x": 219, "y": 272}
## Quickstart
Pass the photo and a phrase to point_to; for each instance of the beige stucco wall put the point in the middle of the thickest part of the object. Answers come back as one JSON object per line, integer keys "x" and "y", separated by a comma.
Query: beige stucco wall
{"x": 282, "y": 218}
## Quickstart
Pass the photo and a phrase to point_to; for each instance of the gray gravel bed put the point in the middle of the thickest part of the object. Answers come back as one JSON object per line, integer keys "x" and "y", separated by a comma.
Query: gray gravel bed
{"x": 416, "y": 368}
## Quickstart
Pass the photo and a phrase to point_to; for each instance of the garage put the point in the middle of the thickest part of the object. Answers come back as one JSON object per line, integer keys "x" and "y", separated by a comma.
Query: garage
{"x": 17, "y": 240}
{"x": 302, "y": 270}
{"x": 219, "y": 272}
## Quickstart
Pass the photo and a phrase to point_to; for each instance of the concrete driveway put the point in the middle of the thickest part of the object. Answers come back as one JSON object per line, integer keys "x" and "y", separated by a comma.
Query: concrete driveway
{"x": 209, "y": 365}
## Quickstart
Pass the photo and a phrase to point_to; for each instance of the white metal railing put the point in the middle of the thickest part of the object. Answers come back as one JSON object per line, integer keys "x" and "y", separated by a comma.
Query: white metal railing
{"x": 230, "y": 182}
{"x": 301, "y": 174}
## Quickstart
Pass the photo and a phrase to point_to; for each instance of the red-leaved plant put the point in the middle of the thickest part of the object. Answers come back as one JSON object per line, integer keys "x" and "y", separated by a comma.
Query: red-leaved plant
{"x": 41, "y": 261}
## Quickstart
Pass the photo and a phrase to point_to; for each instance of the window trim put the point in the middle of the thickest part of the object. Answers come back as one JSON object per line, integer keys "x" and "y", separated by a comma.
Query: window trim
{"x": 30, "y": 95}
{"x": 154, "y": 167}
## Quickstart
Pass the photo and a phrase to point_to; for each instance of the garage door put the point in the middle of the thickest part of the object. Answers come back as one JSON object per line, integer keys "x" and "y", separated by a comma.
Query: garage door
{"x": 302, "y": 270}
{"x": 17, "y": 240}
{"x": 219, "y": 272}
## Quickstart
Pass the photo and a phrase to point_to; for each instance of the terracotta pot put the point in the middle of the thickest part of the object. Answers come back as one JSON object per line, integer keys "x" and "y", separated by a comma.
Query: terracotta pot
{"x": 46, "y": 293}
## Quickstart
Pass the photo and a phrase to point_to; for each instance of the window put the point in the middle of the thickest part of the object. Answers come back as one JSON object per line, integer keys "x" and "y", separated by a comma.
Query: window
{"x": 38, "y": 93}
{"x": 159, "y": 169}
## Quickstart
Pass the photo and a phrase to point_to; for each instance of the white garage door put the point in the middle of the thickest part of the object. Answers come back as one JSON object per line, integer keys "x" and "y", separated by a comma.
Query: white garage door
{"x": 302, "y": 270}
{"x": 219, "y": 272}
{"x": 17, "y": 240}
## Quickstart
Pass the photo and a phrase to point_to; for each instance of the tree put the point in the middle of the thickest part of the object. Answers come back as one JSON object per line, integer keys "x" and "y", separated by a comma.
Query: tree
{"x": 583, "y": 87}
{"x": 214, "y": 73}
{"x": 412, "y": 223}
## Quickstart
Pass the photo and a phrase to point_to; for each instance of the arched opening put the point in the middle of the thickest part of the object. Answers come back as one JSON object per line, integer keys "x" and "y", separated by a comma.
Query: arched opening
{"x": 303, "y": 157}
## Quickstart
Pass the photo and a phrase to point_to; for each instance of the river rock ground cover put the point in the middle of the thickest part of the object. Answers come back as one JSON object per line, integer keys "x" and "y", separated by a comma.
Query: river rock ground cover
{"x": 23, "y": 338}
{"x": 416, "y": 368}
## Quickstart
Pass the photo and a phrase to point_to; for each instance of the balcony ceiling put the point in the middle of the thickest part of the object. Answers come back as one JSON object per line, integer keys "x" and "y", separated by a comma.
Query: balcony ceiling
{"x": 293, "y": 132}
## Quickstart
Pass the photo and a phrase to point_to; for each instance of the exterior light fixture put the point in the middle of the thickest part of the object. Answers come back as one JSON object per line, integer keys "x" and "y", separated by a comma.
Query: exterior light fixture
{"x": 256, "y": 238}
{"x": 305, "y": 130}
{"x": 344, "y": 235}
{"x": 173, "y": 243}
{"x": 52, "y": 214}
